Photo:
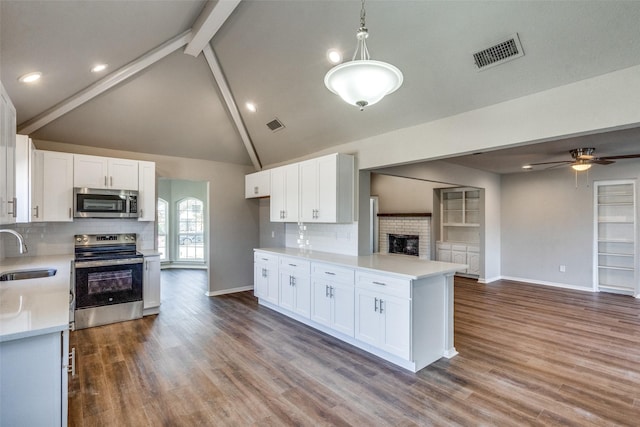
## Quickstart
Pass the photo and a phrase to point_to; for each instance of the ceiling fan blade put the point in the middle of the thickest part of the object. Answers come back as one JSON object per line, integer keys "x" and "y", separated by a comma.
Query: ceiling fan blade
{"x": 566, "y": 162}
{"x": 623, "y": 156}
{"x": 601, "y": 161}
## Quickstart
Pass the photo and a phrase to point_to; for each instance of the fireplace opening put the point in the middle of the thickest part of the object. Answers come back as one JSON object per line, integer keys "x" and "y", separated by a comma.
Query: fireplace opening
{"x": 404, "y": 244}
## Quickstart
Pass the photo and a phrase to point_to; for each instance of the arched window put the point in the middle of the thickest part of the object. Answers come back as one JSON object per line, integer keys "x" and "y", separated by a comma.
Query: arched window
{"x": 163, "y": 228}
{"x": 190, "y": 230}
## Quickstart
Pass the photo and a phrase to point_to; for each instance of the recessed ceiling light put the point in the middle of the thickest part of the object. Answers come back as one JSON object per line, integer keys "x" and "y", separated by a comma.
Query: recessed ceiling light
{"x": 527, "y": 167}
{"x": 251, "y": 107}
{"x": 334, "y": 56}
{"x": 30, "y": 77}
{"x": 99, "y": 67}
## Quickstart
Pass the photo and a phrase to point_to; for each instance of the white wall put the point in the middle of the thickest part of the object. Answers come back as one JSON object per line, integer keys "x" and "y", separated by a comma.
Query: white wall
{"x": 548, "y": 222}
{"x": 233, "y": 220}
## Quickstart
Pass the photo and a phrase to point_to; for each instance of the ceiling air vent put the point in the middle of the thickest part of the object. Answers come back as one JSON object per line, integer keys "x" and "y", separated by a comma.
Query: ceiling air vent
{"x": 275, "y": 125}
{"x": 500, "y": 53}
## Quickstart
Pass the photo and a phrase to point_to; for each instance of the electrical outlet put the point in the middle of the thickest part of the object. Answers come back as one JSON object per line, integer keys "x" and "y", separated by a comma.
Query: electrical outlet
{"x": 563, "y": 268}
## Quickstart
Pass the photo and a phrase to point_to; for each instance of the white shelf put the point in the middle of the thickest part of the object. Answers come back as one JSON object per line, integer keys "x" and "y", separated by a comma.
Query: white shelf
{"x": 615, "y": 233}
{"x": 459, "y": 224}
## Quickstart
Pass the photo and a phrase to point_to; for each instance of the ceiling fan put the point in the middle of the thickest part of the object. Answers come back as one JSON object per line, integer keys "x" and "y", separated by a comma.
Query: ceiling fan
{"x": 583, "y": 158}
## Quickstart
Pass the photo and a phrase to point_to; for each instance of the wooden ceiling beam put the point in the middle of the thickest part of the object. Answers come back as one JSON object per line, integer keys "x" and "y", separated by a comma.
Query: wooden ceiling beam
{"x": 105, "y": 83}
{"x": 208, "y": 23}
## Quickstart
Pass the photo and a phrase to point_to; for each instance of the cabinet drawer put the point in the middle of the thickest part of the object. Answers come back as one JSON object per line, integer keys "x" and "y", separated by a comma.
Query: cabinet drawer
{"x": 332, "y": 272}
{"x": 474, "y": 249}
{"x": 264, "y": 258}
{"x": 384, "y": 284}
{"x": 443, "y": 245}
{"x": 294, "y": 265}
{"x": 458, "y": 247}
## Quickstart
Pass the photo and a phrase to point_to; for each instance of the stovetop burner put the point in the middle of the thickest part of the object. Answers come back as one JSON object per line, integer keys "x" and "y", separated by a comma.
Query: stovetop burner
{"x": 105, "y": 246}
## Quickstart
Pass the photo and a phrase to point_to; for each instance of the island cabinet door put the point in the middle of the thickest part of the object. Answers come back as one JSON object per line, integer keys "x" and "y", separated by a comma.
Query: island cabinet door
{"x": 321, "y": 302}
{"x": 302, "y": 296}
{"x": 368, "y": 326}
{"x": 342, "y": 297}
{"x": 287, "y": 290}
{"x": 396, "y": 316}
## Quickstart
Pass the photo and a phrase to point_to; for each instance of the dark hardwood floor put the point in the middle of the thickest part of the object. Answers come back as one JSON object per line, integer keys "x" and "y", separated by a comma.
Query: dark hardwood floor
{"x": 529, "y": 355}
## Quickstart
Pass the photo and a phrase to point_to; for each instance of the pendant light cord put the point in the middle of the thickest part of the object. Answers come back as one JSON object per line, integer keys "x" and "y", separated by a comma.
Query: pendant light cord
{"x": 361, "y": 36}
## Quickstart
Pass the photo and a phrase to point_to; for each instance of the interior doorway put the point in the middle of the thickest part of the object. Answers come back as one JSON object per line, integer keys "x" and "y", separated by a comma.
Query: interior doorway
{"x": 183, "y": 223}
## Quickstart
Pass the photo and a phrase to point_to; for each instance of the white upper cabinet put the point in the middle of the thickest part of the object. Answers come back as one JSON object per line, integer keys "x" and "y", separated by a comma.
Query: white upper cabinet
{"x": 8, "y": 204}
{"x": 284, "y": 194}
{"x": 326, "y": 189}
{"x": 24, "y": 155}
{"x": 316, "y": 190}
{"x": 52, "y": 187}
{"x": 147, "y": 191}
{"x": 105, "y": 172}
{"x": 257, "y": 184}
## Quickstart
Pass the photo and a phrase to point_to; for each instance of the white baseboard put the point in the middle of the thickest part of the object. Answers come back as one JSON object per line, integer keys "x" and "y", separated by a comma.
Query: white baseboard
{"x": 484, "y": 281}
{"x": 229, "y": 291}
{"x": 545, "y": 283}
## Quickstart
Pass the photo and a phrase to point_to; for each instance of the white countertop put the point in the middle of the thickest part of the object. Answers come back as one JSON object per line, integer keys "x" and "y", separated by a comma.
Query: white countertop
{"x": 149, "y": 252}
{"x": 407, "y": 267}
{"x": 35, "y": 306}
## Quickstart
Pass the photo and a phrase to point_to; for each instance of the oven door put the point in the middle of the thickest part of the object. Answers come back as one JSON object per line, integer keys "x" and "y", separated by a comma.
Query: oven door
{"x": 107, "y": 282}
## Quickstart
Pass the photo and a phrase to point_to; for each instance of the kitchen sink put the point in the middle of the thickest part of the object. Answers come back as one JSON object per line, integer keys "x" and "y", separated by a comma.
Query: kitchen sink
{"x": 27, "y": 274}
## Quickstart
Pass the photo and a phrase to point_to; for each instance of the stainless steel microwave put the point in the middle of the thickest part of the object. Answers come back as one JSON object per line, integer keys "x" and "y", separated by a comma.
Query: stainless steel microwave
{"x": 104, "y": 203}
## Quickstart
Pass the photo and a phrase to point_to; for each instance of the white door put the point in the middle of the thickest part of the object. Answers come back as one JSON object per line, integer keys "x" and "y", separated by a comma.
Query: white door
{"x": 343, "y": 313}
{"x": 320, "y": 302}
{"x": 368, "y": 326}
{"x": 396, "y": 315}
{"x": 287, "y": 290}
{"x": 302, "y": 296}
{"x": 123, "y": 174}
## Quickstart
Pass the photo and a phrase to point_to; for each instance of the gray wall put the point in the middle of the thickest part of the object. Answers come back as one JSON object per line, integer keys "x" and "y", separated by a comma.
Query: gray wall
{"x": 233, "y": 220}
{"x": 403, "y": 195}
{"x": 548, "y": 222}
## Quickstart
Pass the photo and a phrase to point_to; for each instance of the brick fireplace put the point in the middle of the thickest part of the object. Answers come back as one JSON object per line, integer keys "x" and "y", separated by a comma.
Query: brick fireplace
{"x": 412, "y": 225}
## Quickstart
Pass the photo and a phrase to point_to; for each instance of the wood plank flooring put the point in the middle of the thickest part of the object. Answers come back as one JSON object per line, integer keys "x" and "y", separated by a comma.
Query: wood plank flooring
{"x": 529, "y": 355}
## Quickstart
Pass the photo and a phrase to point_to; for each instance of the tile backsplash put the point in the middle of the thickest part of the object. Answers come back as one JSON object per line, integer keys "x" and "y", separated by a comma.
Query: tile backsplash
{"x": 335, "y": 238}
{"x": 56, "y": 238}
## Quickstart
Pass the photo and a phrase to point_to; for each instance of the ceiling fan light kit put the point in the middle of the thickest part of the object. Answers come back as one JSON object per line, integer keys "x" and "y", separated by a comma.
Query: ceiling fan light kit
{"x": 363, "y": 82}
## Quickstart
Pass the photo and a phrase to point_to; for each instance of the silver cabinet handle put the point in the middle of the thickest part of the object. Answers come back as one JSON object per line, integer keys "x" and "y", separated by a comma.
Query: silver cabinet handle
{"x": 70, "y": 213}
{"x": 329, "y": 273}
{"x": 37, "y": 214}
{"x": 292, "y": 280}
{"x": 330, "y": 291}
{"x": 72, "y": 362}
{"x": 105, "y": 180}
{"x": 375, "y": 304}
{"x": 14, "y": 211}
{"x": 326, "y": 290}
{"x": 379, "y": 283}
{"x": 110, "y": 181}
{"x": 255, "y": 190}
{"x": 293, "y": 265}
{"x": 381, "y": 310}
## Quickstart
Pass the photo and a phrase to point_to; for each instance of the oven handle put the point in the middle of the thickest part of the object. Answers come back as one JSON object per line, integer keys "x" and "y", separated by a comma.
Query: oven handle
{"x": 107, "y": 262}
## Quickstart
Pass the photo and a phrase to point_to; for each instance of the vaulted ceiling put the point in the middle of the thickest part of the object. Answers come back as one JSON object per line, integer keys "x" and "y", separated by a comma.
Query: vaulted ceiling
{"x": 273, "y": 53}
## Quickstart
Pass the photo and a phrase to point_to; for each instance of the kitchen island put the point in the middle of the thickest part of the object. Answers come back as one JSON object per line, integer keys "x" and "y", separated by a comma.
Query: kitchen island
{"x": 34, "y": 342}
{"x": 397, "y": 307}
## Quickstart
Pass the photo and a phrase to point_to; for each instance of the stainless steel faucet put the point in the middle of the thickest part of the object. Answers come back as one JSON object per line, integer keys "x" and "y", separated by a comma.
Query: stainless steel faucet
{"x": 23, "y": 245}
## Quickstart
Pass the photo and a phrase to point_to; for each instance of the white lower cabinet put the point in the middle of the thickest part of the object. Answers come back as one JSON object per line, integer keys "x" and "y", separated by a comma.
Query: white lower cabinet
{"x": 460, "y": 253}
{"x": 151, "y": 285}
{"x": 406, "y": 321}
{"x": 332, "y": 297}
{"x": 295, "y": 290}
{"x": 265, "y": 277}
{"x": 383, "y": 313}
{"x": 34, "y": 380}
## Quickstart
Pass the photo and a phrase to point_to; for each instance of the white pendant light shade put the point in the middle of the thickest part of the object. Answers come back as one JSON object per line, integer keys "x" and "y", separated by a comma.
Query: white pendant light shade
{"x": 363, "y": 82}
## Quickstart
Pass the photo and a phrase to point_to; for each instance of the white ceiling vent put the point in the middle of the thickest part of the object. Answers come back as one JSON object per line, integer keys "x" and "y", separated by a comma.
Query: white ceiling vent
{"x": 275, "y": 125}
{"x": 499, "y": 53}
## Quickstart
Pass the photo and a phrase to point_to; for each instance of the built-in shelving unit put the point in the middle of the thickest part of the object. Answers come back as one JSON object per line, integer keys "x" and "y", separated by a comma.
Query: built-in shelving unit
{"x": 615, "y": 234}
{"x": 460, "y": 226}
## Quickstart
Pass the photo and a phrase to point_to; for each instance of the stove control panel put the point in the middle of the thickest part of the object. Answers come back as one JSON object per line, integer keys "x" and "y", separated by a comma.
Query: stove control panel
{"x": 104, "y": 239}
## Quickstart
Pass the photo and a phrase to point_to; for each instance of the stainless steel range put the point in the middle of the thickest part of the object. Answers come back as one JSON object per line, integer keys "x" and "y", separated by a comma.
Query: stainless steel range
{"x": 108, "y": 280}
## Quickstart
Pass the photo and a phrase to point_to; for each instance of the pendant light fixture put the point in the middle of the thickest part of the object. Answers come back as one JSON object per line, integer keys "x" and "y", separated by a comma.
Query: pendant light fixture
{"x": 363, "y": 82}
